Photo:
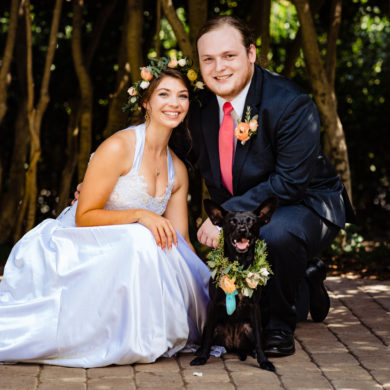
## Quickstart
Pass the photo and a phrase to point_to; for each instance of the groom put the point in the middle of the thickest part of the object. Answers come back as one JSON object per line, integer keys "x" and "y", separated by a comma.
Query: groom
{"x": 282, "y": 158}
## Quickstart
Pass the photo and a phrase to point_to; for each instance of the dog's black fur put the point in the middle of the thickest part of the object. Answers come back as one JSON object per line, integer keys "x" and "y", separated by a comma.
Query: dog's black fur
{"x": 240, "y": 332}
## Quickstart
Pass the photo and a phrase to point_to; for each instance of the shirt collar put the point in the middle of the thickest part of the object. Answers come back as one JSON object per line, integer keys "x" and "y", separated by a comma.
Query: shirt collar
{"x": 238, "y": 103}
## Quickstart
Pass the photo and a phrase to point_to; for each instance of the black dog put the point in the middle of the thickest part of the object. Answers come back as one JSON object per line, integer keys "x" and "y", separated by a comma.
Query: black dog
{"x": 241, "y": 331}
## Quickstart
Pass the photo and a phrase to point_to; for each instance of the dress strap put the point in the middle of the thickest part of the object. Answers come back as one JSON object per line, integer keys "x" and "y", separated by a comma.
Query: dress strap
{"x": 139, "y": 146}
{"x": 171, "y": 169}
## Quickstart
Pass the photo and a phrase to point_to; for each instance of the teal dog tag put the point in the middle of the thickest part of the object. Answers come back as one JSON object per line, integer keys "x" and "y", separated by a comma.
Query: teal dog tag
{"x": 231, "y": 302}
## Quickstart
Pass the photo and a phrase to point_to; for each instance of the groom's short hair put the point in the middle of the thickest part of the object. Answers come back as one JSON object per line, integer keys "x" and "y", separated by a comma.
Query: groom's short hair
{"x": 218, "y": 21}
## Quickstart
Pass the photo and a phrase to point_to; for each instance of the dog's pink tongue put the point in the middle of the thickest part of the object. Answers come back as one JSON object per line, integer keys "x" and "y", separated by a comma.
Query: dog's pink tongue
{"x": 243, "y": 244}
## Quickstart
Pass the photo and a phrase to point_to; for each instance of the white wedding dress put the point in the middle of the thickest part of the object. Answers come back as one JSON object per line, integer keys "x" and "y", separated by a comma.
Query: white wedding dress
{"x": 94, "y": 296}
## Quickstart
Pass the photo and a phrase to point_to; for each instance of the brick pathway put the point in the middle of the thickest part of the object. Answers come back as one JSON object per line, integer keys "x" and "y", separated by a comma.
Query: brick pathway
{"x": 350, "y": 350}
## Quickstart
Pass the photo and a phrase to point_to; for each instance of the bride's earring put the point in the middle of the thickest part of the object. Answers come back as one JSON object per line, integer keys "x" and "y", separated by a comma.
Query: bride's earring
{"x": 147, "y": 117}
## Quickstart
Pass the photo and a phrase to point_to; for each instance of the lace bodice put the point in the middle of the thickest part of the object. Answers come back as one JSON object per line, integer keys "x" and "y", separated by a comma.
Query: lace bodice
{"x": 130, "y": 191}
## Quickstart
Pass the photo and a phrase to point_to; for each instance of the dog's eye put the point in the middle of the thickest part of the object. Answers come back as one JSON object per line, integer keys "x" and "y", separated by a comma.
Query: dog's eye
{"x": 249, "y": 221}
{"x": 233, "y": 222}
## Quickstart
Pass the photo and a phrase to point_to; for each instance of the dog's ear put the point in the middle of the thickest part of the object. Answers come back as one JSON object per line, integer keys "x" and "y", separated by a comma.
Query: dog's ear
{"x": 215, "y": 212}
{"x": 266, "y": 210}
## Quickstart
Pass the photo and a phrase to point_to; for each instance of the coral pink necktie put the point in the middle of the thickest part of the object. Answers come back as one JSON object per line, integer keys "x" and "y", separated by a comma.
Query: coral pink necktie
{"x": 226, "y": 147}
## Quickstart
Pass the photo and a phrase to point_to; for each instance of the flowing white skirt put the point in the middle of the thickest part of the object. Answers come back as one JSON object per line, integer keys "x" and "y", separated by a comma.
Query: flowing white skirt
{"x": 90, "y": 297}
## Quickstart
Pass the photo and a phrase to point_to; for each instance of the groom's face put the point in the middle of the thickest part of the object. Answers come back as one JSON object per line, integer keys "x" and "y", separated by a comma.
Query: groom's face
{"x": 225, "y": 63}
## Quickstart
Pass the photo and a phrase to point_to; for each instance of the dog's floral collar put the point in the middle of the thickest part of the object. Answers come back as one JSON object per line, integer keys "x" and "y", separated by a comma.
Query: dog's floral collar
{"x": 232, "y": 278}
{"x": 245, "y": 129}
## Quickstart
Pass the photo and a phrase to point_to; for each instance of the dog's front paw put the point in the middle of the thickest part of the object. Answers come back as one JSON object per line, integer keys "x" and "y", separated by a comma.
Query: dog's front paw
{"x": 242, "y": 356}
{"x": 267, "y": 365}
{"x": 198, "y": 361}
{"x": 199, "y": 352}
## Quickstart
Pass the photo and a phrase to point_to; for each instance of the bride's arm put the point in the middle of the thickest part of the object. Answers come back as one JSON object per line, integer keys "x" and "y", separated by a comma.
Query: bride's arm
{"x": 112, "y": 159}
{"x": 108, "y": 163}
{"x": 176, "y": 210}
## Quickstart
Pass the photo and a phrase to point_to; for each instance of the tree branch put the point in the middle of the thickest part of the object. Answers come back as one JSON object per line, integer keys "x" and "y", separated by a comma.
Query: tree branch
{"x": 7, "y": 57}
{"x": 182, "y": 37}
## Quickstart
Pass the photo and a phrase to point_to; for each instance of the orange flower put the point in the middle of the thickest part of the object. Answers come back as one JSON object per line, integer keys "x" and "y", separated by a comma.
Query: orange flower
{"x": 252, "y": 279}
{"x": 172, "y": 62}
{"x": 227, "y": 284}
{"x": 192, "y": 75}
{"x": 241, "y": 132}
{"x": 146, "y": 74}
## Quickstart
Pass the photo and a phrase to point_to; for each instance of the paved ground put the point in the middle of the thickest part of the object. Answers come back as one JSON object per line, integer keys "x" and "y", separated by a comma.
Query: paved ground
{"x": 350, "y": 350}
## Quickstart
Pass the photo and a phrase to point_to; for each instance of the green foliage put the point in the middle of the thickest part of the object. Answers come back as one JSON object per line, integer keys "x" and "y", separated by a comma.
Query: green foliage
{"x": 220, "y": 266}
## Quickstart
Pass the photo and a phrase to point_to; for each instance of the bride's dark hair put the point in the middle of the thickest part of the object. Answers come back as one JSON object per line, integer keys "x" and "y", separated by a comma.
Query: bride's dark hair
{"x": 180, "y": 141}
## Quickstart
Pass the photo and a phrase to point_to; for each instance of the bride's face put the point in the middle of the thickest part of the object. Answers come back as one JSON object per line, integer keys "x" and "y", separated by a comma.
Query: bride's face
{"x": 169, "y": 103}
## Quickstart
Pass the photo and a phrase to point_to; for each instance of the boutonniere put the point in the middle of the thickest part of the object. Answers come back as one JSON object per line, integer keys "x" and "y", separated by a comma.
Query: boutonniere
{"x": 246, "y": 129}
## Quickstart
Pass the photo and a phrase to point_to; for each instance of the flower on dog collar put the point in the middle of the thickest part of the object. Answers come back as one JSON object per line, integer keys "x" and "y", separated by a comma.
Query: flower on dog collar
{"x": 231, "y": 276}
{"x": 246, "y": 129}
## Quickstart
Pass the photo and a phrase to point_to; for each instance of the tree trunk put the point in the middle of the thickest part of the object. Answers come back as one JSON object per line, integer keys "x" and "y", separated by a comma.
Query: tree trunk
{"x": 134, "y": 37}
{"x": 34, "y": 116}
{"x": 15, "y": 179}
{"x": 157, "y": 46}
{"x": 85, "y": 88}
{"x": 331, "y": 52}
{"x": 334, "y": 142}
{"x": 182, "y": 37}
{"x": 129, "y": 63}
{"x": 296, "y": 45}
{"x": 264, "y": 19}
{"x": 71, "y": 155}
{"x": 74, "y": 118}
{"x": 7, "y": 58}
{"x": 197, "y": 15}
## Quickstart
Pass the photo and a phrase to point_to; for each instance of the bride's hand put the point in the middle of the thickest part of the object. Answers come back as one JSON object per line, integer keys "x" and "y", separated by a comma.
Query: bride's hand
{"x": 161, "y": 228}
{"x": 77, "y": 193}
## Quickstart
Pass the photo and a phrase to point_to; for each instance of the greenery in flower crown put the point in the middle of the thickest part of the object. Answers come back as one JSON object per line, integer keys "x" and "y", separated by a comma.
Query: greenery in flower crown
{"x": 153, "y": 70}
{"x": 244, "y": 280}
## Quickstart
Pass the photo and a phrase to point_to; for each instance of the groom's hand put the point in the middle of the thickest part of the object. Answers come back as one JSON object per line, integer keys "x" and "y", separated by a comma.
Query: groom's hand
{"x": 77, "y": 193}
{"x": 208, "y": 234}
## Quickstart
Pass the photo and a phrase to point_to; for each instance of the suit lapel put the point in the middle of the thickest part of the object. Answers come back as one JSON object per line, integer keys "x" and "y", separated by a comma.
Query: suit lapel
{"x": 210, "y": 129}
{"x": 253, "y": 100}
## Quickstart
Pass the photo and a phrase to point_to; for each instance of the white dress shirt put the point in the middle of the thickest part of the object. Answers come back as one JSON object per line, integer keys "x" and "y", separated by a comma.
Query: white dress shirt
{"x": 238, "y": 104}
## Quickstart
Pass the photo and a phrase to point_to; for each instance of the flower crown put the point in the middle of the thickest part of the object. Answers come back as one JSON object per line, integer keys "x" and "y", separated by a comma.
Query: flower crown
{"x": 153, "y": 70}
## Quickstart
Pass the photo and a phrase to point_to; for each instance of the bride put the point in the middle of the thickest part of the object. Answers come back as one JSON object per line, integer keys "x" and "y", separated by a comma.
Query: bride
{"x": 114, "y": 279}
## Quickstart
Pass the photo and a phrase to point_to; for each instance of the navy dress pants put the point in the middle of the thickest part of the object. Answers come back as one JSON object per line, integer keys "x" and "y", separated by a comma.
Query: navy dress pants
{"x": 294, "y": 235}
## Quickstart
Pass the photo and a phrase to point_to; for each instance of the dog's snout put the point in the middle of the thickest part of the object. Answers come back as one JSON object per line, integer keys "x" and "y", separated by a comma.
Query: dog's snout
{"x": 242, "y": 228}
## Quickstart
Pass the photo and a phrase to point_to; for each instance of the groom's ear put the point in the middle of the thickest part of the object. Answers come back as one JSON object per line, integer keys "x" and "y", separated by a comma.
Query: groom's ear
{"x": 252, "y": 53}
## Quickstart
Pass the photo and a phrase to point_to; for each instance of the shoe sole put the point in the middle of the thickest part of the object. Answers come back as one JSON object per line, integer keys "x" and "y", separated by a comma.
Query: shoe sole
{"x": 278, "y": 352}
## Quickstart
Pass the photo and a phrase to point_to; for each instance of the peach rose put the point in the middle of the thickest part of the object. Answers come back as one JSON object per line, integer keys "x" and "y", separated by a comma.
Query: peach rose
{"x": 132, "y": 91}
{"x": 253, "y": 124}
{"x": 146, "y": 74}
{"x": 241, "y": 132}
{"x": 172, "y": 62}
{"x": 227, "y": 284}
{"x": 252, "y": 279}
{"x": 192, "y": 75}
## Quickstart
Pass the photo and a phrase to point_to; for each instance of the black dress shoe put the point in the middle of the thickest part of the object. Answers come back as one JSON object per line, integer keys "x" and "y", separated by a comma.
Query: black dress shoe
{"x": 319, "y": 298}
{"x": 278, "y": 343}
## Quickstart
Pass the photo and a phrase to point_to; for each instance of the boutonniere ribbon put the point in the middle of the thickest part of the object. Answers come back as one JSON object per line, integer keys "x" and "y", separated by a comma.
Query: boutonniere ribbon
{"x": 245, "y": 129}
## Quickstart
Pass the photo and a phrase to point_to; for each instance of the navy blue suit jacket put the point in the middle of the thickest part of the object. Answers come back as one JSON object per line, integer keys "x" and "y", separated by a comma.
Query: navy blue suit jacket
{"x": 283, "y": 159}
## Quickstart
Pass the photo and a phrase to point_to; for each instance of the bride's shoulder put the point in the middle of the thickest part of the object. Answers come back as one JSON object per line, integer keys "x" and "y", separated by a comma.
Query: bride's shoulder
{"x": 181, "y": 174}
{"x": 122, "y": 142}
